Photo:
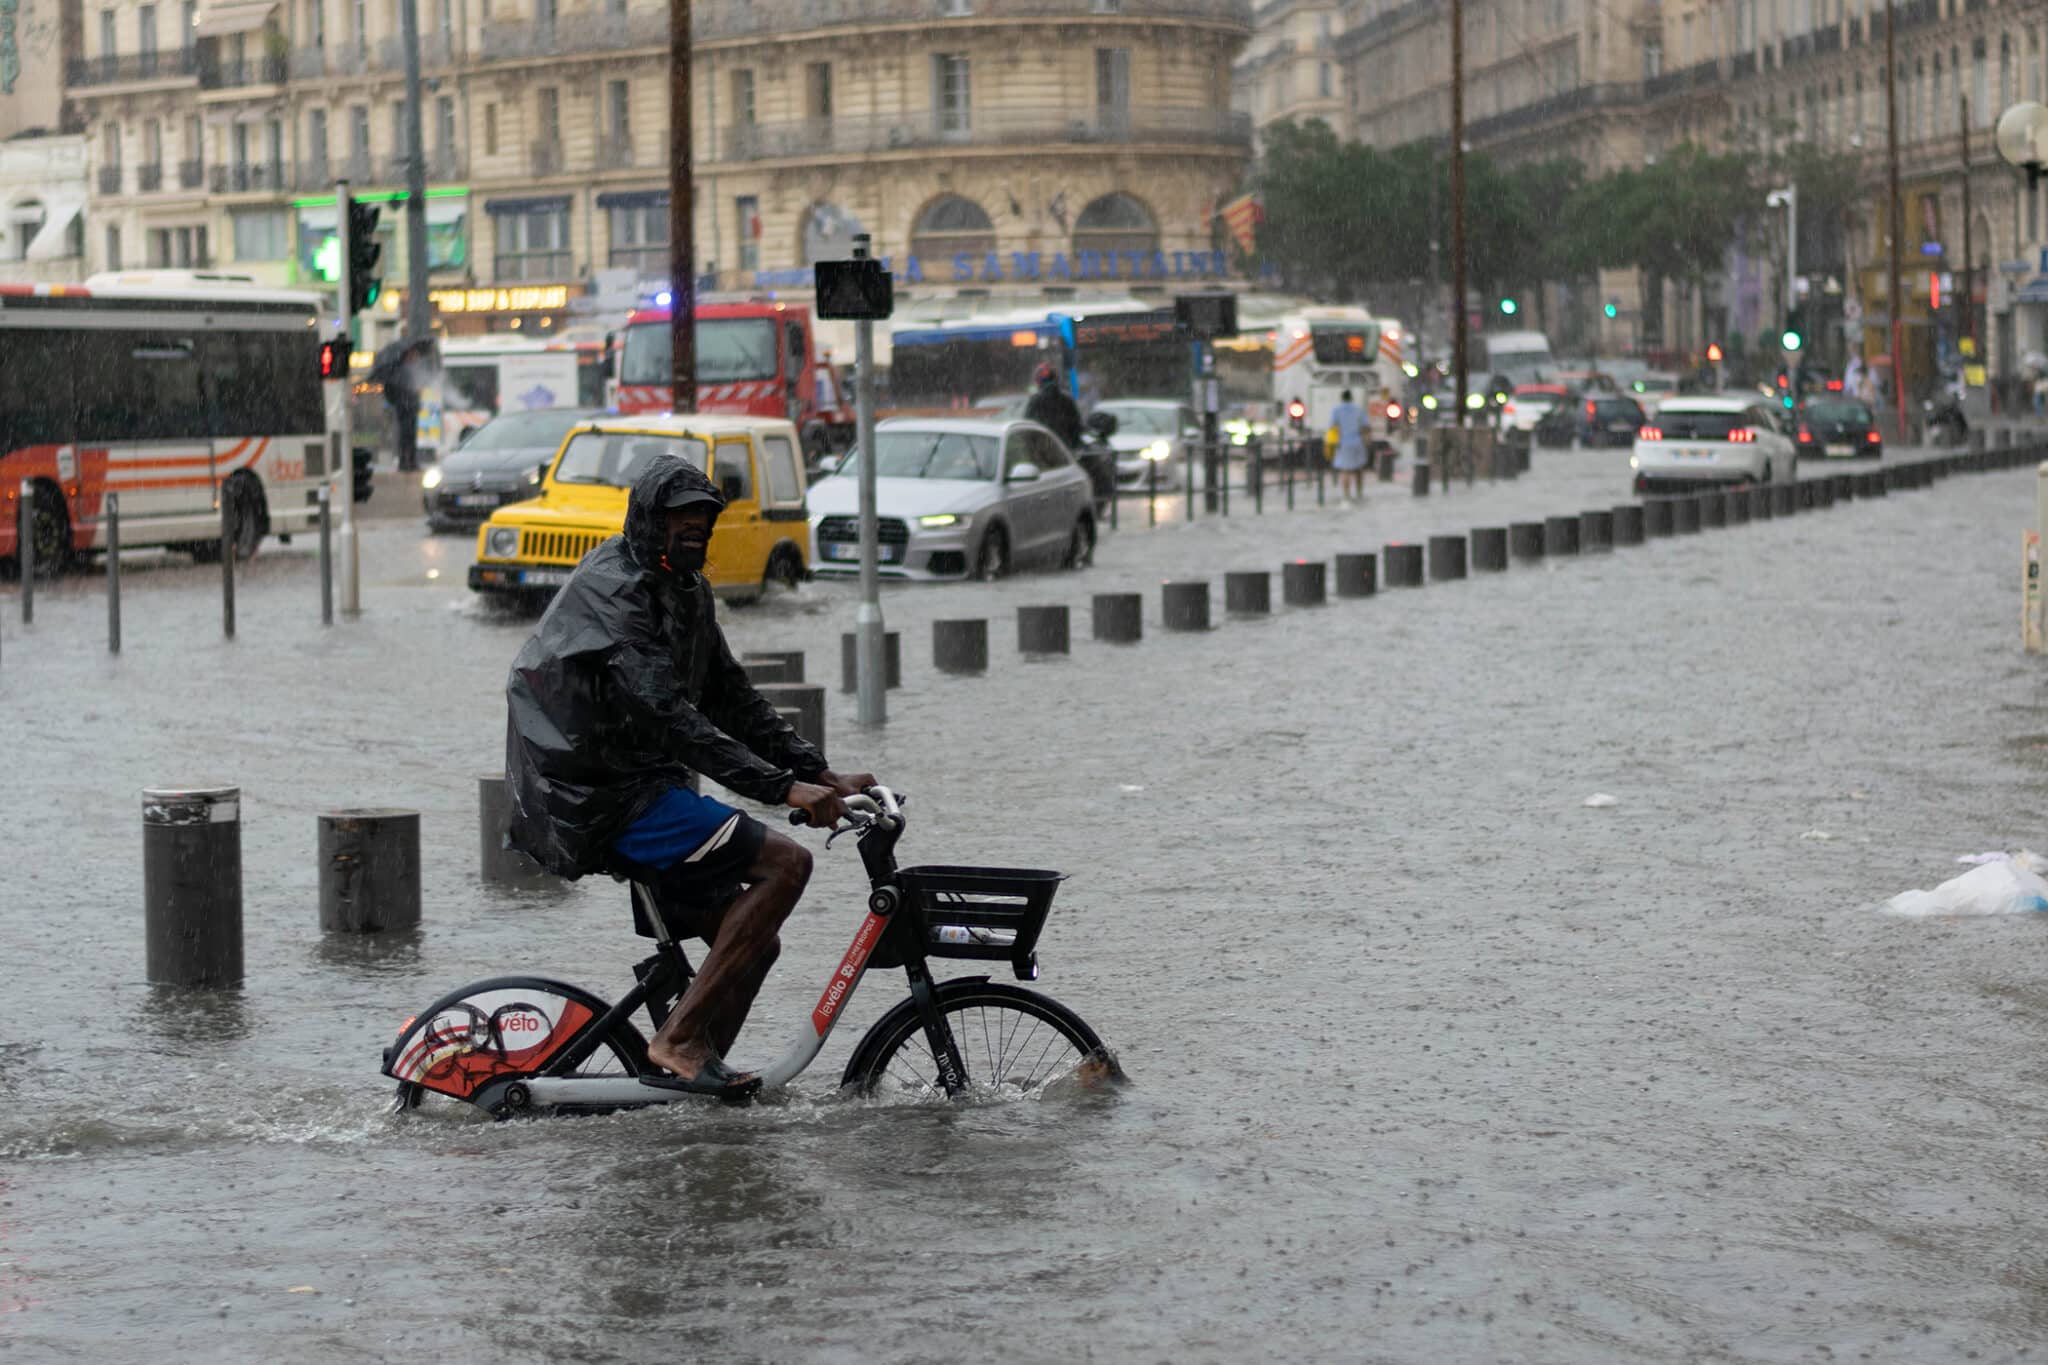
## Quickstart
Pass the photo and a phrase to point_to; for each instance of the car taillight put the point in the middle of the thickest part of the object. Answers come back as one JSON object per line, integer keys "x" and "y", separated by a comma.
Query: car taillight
{"x": 1509, "y": 410}
{"x": 1649, "y": 434}
{"x": 1806, "y": 436}
{"x": 1742, "y": 436}
{"x": 1589, "y": 410}
{"x": 1872, "y": 438}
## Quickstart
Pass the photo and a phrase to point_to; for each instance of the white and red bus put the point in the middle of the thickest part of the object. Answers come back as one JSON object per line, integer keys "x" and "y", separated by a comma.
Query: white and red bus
{"x": 755, "y": 358}
{"x": 177, "y": 394}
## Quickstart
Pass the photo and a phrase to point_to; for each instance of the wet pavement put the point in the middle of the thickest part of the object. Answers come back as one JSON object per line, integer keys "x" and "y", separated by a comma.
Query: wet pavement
{"x": 1430, "y": 1061}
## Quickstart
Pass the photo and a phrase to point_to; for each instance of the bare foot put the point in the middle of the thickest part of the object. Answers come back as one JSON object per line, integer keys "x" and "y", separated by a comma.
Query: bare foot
{"x": 683, "y": 1062}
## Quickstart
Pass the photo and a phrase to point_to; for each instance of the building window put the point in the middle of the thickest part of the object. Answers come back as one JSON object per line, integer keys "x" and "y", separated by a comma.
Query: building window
{"x": 950, "y": 225}
{"x": 145, "y": 31}
{"x": 1653, "y": 57}
{"x": 951, "y": 90}
{"x": 108, "y": 47}
{"x": 401, "y": 144}
{"x": 490, "y": 130}
{"x": 152, "y": 144}
{"x": 273, "y": 151}
{"x": 359, "y": 139}
{"x": 2004, "y": 79}
{"x": 818, "y": 90}
{"x": 1323, "y": 80}
{"x": 747, "y": 227}
{"x": 113, "y": 247}
{"x": 1115, "y": 222}
{"x": 110, "y": 146}
{"x": 444, "y": 133}
{"x": 550, "y": 116}
{"x": 183, "y": 247}
{"x": 544, "y": 13}
{"x": 1980, "y": 81}
{"x": 533, "y": 246}
{"x": 316, "y": 139}
{"x": 618, "y": 112}
{"x": 743, "y": 97}
{"x": 360, "y": 24}
{"x": 640, "y": 238}
{"x": 1113, "y": 80}
{"x": 262, "y": 235}
{"x": 188, "y": 22}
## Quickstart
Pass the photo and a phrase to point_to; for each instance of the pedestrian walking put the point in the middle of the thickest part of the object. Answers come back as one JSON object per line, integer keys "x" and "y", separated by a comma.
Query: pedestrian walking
{"x": 1348, "y": 421}
{"x": 400, "y": 368}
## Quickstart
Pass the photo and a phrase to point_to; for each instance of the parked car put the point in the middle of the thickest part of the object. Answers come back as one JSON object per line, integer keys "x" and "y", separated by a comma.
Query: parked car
{"x": 958, "y": 498}
{"x": 529, "y": 549}
{"x": 1835, "y": 428}
{"x": 1651, "y": 388}
{"x": 502, "y": 460}
{"x": 1151, "y": 434}
{"x": 1609, "y": 420}
{"x": 1711, "y": 442}
{"x": 1527, "y": 406}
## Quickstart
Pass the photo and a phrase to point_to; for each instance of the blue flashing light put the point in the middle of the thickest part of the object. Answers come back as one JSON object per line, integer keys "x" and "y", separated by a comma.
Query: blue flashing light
{"x": 664, "y": 299}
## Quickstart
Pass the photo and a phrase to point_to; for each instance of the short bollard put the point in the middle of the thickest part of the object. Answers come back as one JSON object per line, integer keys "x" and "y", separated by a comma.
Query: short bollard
{"x": 326, "y": 558}
{"x": 1784, "y": 499}
{"x": 801, "y": 704}
{"x": 1845, "y": 487}
{"x": 1248, "y": 592}
{"x": 1713, "y": 510}
{"x": 1119, "y": 617}
{"x": 113, "y": 520}
{"x": 192, "y": 885}
{"x": 773, "y": 665}
{"x": 1489, "y": 549}
{"x": 1596, "y": 531}
{"x": 1738, "y": 507}
{"x": 1304, "y": 582}
{"x": 1404, "y": 565}
{"x": 1628, "y": 523}
{"x": 495, "y": 862}
{"x": 1560, "y": 535}
{"x": 1186, "y": 604}
{"x": 1762, "y": 506}
{"x": 1446, "y": 558}
{"x": 1044, "y": 630}
{"x": 1386, "y": 459}
{"x": 1358, "y": 574}
{"x": 1685, "y": 515}
{"x": 1658, "y": 517}
{"x": 1808, "y": 491}
{"x": 849, "y": 661}
{"x": 960, "y": 646}
{"x": 1525, "y": 539}
{"x": 369, "y": 870}
{"x": 1419, "y": 477}
{"x": 1824, "y": 492}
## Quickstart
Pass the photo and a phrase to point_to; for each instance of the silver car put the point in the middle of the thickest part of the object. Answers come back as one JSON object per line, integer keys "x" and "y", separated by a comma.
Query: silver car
{"x": 957, "y": 499}
{"x": 1153, "y": 437}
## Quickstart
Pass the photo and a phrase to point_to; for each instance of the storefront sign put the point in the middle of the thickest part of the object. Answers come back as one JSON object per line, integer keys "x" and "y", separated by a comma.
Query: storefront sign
{"x": 993, "y": 267}
{"x": 524, "y": 298}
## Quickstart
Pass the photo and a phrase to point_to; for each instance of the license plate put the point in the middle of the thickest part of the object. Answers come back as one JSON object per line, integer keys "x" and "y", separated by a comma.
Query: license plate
{"x": 543, "y": 578}
{"x": 884, "y": 554}
{"x": 1841, "y": 450}
{"x": 476, "y": 500}
{"x": 1703, "y": 455}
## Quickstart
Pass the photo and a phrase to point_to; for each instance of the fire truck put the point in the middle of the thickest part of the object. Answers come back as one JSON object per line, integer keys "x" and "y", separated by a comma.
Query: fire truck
{"x": 755, "y": 357}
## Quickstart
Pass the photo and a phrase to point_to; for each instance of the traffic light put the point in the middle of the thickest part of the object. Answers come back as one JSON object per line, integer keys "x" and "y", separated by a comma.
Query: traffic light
{"x": 334, "y": 359}
{"x": 1507, "y": 308}
{"x": 1297, "y": 411}
{"x": 1792, "y": 340}
{"x": 1714, "y": 352}
{"x": 1612, "y": 310}
{"x": 364, "y": 251}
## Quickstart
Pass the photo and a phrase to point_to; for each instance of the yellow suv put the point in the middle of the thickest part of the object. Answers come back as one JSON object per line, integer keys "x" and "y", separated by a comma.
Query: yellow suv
{"x": 528, "y": 549}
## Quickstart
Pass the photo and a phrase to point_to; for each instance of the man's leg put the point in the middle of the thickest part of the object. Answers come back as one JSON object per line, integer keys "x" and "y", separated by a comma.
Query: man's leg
{"x": 708, "y": 1017}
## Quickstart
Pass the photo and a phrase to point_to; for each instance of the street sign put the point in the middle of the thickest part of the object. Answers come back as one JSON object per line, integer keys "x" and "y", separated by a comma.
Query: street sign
{"x": 1206, "y": 315}
{"x": 859, "y": 290}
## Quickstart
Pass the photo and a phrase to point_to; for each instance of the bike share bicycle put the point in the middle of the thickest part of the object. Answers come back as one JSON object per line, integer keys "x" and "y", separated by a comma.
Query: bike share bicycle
{"x": 529, "y": 1044}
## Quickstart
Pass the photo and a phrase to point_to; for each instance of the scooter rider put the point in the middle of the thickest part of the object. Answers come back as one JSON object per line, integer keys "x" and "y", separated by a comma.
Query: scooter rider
{"x": 626, "y": 688}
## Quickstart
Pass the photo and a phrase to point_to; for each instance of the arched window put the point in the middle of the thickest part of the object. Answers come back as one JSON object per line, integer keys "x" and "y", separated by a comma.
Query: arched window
{"x": 829, "y": 231}
{"x": 950, "y": 225}
{"x": 1115, "y": 222}
{"x": 24, "y": 219}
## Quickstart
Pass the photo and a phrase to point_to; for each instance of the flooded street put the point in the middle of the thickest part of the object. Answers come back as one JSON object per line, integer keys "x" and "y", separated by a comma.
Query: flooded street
{"x": 1429, "y": 1060}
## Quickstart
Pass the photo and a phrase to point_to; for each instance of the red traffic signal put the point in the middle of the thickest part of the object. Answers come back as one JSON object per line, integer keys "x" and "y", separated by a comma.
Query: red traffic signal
{"x": 1714, "y": 352}
{"x": 333, "y": 360}
{"x": 1296, "y": 409}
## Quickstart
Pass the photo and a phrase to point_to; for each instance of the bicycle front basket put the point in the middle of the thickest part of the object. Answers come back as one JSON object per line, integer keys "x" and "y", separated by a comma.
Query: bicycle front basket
{"x": 990, "y": 913}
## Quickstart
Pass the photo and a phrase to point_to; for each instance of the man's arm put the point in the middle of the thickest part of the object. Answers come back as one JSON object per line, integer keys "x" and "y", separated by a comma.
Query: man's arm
{"x": 648, "y": 684}
{"x": 731, "y": 702}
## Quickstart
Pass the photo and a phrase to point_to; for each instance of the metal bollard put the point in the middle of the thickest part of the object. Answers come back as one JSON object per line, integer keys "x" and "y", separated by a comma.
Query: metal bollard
{"x": 227, "y": 567}
{"x": 113, "y": 519}
{"x": 1186, "y": 604}
{"x": 1404, "y": 565}
{"x": 960, "y": 646}
{"x": 1043, "y": 630}
{"x": 1628, "y": 523}
{"x": 1255, "y": 475}
{"x": 1303, "y": 582}
{"x": 1737, "y": 507}
{"x": 1118, "y": 617}
{"x": 1420, "y": 479}
{"x": 1560, "y": 535}
{"x": 1388, "y": 454}
{"x": 369, "y": 870}
{"x": 1713, "y": 510}
{"x": 192, "y": 885}
{"x": 1490, "y": 549}
{"x": 1784, "y": 499}
{"x": 849, "y": 661}
{"x": 802, "y": 704}
{"x": 495, "y": 862}
{"x": 1762, "y": 506}
{"x": 1358, "y": 574}
{"x": 1446, "y": 558}
{"x": 1685, "y": 515}
{"x": 1525, "y": 539}
{"x": 1248, "y": 592}
{"x": 773, "y": 665}
{"x": 25, "y": 551}
{"x": 1596, "y": 531}
{"x": 326, "y": 559}
{"x": 1658, "y": 517}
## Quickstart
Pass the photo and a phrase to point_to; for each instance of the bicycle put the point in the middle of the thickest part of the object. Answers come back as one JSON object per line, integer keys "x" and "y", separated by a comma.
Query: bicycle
{"x": 513, "y": 1045}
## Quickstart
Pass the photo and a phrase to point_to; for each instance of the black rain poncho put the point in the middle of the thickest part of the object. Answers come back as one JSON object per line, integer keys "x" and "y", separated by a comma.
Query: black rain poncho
{"x": 626, "y": 687}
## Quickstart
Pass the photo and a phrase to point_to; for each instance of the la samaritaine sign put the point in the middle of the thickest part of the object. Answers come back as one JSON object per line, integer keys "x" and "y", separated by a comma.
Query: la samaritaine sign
{"x": 993, "y": 267}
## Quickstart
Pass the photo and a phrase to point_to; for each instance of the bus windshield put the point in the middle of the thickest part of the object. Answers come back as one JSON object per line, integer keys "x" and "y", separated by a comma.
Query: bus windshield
{"x": 1344, "y": 343}
{"x": 618, "y": 457}
{"x": 728, "y": 349}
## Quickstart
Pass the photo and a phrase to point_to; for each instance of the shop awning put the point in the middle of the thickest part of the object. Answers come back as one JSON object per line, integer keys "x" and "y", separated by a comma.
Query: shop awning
{"x": 217, "y": 21}
{"x": 2034, "y": 291}
{"x": 633, "y": 199}
{"x": 52, "y": 239}
{"x": 542, "y": 203}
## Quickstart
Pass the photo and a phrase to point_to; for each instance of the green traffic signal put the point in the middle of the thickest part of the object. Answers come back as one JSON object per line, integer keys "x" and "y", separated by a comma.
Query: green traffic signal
{"x": 1611, "y": 311}
{"x": 327, "y": 259}
{"x": 1507, "y": 307}
{"x": 364, "y": 252}
{"x": 1791, "y": 341}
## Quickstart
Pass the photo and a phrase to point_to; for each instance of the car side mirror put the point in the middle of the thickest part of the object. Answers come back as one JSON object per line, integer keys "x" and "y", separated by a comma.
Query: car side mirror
{"x": 462, "y": 437}
{"x": 1022, "y": 473}
{"x": 730, "y": 487}
{"x": 829, "y": 464}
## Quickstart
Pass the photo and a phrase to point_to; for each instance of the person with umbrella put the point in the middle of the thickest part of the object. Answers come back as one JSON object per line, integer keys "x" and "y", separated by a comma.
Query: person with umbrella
{"x": 399, "y": 368}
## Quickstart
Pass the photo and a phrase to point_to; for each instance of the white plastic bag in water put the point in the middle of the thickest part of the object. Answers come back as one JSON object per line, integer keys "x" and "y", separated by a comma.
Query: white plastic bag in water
{"x": 2000, "y": 888}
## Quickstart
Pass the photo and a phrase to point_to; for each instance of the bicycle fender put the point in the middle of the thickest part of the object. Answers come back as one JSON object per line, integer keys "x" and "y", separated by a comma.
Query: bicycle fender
{"x": 502, "y": 1025}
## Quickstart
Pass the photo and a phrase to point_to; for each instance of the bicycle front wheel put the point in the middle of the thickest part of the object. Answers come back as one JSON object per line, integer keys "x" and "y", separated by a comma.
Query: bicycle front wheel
{"x": 1010, "y": 1041}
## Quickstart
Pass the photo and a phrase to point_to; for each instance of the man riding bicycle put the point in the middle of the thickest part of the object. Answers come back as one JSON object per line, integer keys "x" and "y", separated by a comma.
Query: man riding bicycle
{"x": 626, "y": 689}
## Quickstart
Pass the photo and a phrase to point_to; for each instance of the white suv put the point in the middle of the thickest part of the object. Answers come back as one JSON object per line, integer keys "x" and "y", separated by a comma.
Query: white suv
{"x": 1711, "y": 442}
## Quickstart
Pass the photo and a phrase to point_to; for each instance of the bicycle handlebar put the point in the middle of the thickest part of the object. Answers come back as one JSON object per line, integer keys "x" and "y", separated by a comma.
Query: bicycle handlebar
{"x": 877, "y": 803}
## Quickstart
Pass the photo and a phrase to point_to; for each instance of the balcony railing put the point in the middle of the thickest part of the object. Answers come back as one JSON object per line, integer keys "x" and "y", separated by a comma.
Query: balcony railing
{"x": 140, "y": 66}
{"x": 252, "y": 177}
{"x": 537, "y": 267}
{"x": 576, "y": 33}
{"x": 191, "y": 174}
{"x": 614, "y": 152}
{"x": 436, "y": 50}
{"x": 335, "y": 59}
{"x": 315, "y": 174}
{"x": 149, "y": 177}
{"x": 650, "y": 261}
{"x": 989, "y": 128}
{"x": 110, "y": 180}
{"x": 546, "y": 157}
{"x": 236, "y": 75}
{"x": 746, "y": 18}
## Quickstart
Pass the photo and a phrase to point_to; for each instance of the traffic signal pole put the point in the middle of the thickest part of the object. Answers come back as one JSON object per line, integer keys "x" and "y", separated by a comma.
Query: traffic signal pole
{"x": 345, "y": 467}
{"x": 1458, "y": 324}
{"x": 682, "y": 219}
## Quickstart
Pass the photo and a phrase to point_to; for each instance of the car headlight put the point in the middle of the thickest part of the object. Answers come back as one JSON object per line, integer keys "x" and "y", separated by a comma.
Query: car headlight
{"x": 1157, "y": 451}
{"x": 1633, "y": 463}
{"x": 432, "y": 478}
{"x": 937, "y": 519}
{"x": 533, "y": 476}
{"x": 501, "y": 542}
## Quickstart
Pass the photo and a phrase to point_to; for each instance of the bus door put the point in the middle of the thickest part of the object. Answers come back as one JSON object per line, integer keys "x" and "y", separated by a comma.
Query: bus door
{"x": 795, "y": 364}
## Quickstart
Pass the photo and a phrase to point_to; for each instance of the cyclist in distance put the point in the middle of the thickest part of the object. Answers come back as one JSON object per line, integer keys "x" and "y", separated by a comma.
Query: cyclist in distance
{"x": 626, "y": 689}
{"x": 1052, "y": 409}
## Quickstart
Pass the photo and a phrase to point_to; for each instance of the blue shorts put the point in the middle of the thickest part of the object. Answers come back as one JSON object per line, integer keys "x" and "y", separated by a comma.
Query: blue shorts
{"x": 694, "y": 852}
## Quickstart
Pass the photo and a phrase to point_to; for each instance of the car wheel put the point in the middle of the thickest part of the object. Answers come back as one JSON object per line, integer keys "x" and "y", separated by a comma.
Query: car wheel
{"x": 49, "y": 531}
{"x": 785, "y": 569}
{"x": 1765, "y": 477}
{"x": 993, "y": 561}
{"x": 1080, "y": 545}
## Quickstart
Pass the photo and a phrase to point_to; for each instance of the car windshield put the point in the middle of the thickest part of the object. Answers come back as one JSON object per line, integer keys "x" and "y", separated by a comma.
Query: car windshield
{"x": 1838, "y": 411}
{"x": 1135, "y": 420}
{"x": 728, "y": 349}
{"x": 525, "y": 430}
{"x": 1701, "y": 426}
{"x": 616, "y": 458}
{"x": 929, "y": 455}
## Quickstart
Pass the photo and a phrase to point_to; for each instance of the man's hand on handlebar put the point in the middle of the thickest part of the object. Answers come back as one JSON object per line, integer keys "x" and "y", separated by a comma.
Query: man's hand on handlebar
{"x": 823, "y": 807}
{"x": 853, "y": 784}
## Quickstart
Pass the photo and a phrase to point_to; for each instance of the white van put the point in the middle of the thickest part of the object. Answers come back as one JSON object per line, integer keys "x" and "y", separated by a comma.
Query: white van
{"x": 1524, "y": 357}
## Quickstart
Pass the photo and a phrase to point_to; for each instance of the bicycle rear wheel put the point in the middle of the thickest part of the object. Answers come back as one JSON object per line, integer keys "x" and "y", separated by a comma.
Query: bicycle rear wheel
{"x": 1010, "y": 1040}
{"x": 620, "y": 1052}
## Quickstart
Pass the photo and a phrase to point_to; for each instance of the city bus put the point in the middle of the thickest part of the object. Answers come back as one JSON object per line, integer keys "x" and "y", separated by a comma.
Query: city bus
{"x": 1318, "y": 353}
{"x": 483, "y": 376}
{"x": 176, "y": 393}
{"x": 1113, "y": 349}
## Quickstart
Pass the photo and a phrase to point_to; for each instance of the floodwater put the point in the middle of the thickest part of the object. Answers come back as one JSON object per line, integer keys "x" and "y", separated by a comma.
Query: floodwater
{"x": 1430, "y": 1062}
